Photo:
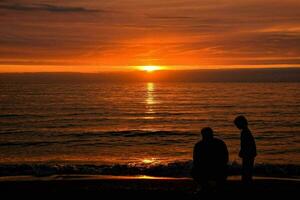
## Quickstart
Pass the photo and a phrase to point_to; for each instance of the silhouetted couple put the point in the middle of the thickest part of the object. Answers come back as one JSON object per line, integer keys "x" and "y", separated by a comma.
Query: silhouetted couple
{"x": 210, "y": 157}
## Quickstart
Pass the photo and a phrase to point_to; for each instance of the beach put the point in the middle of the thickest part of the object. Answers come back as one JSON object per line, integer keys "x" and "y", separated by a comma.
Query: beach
{"x": 71, "y": 137}
{"x": 140, "y": 186}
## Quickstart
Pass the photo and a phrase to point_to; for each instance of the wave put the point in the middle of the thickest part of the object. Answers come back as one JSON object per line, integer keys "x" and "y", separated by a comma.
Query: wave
{"x": 125, "y": 133}
{"x": 94, "y": 137}
{"x": 39, "y": 143}
{"x": 90, "y": 138}
{"x": 9, "y": 116}
{"x": 175, "y": 169}
{"x": 139, "y": 133}
{"x": 142, "y": 133}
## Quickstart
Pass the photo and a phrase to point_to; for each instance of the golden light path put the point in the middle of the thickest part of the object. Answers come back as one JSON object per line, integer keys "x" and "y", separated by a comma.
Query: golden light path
{"x": 150, "y": 101}
{"x": 150, "y": 161}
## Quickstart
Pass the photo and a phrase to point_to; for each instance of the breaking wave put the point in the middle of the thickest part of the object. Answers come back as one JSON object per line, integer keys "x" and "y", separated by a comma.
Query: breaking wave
{"x": 175, "y": 169}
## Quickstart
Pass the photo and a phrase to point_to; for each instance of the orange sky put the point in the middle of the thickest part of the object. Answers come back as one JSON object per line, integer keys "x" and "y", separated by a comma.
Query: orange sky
{"x": 95, "y": 36}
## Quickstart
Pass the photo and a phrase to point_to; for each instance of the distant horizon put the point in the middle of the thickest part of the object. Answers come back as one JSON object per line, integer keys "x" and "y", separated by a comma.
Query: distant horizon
{"x": 193, "y": 75}
{"x": 165, "y": 68}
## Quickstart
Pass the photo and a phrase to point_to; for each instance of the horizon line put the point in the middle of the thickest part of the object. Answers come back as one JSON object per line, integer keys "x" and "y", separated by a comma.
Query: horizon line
{"x": 157, "y": 71}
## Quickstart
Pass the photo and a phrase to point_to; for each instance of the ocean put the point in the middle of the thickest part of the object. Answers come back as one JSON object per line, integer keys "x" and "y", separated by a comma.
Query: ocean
{"x": 142, "y": 124}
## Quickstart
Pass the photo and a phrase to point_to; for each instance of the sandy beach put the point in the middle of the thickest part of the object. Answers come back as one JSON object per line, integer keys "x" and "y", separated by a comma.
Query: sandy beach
{"x": 139, "y": 186}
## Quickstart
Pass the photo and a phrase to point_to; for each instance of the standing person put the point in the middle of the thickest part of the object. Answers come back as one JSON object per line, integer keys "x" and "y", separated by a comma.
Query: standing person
{"x": 248, "y": 149}
{"x": 210, "y": 160}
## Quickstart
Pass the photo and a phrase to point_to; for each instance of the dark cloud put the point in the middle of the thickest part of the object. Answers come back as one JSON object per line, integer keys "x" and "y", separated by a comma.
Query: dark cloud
{"x": 46, "y": 7}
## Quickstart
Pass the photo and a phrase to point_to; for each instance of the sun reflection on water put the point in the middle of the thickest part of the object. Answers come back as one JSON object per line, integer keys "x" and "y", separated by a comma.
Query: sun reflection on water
{"x": 149, "y": 161}
{"x": 150, "y": 101}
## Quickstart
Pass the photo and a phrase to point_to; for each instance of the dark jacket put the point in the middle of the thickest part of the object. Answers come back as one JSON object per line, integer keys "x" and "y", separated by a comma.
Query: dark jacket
{"x": 210, "y": 160}
{"x": 248, "y": 146}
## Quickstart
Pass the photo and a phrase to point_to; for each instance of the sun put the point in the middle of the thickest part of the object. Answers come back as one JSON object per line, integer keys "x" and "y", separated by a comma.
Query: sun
{"x": 150, "y": 68}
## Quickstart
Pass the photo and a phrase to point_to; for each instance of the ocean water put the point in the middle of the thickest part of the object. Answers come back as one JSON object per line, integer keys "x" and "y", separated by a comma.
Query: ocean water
{"x": 146, "y": 124}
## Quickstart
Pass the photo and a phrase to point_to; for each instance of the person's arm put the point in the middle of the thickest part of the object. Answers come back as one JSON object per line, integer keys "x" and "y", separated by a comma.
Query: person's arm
{"x": 195, "y": 155}
{"x": 252, "y": 146}
{"x": 226, "y": 154}
{"x": 242, "y": 145}
{"x": 195, "y": 171}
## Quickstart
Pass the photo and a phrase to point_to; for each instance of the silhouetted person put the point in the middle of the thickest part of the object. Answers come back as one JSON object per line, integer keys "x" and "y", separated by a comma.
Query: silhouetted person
{"x": 210, "y": 160}
{"x": 248, "y": 149}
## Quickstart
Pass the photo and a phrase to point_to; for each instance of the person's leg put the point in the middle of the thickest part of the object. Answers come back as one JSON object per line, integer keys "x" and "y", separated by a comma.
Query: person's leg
{"x": 251, "y": 168}
{"x": 221, "y": 179}
{"x": 247, "y": 170}
{"x": 221, "y": 183}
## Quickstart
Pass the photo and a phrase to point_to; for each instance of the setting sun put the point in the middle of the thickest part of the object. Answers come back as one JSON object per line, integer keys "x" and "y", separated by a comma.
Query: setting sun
{"x": 150, "y": 68}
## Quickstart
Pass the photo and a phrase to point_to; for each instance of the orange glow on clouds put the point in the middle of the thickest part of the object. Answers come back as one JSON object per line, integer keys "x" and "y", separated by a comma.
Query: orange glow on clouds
{"x": 99, "y": 36}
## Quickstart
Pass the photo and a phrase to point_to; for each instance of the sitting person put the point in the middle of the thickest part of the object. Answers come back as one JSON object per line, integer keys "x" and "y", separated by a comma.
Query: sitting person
{"x": 210, "y": 160}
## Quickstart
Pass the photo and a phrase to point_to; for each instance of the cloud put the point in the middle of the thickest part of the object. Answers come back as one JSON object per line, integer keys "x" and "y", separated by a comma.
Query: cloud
{"x": 170, "y": 17}
{"x": 46, "y": 7}
{"x": 133, "y": 32}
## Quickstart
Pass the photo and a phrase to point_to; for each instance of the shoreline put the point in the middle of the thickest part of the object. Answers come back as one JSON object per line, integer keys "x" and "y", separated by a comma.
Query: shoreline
{"x": 173, "y": 169}
{"x": 78, "y": 177}
{"x": 139, "y": 186}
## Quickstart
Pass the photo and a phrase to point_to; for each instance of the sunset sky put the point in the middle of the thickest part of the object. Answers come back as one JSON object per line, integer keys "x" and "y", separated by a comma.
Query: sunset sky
{"x": 98, "y": 35}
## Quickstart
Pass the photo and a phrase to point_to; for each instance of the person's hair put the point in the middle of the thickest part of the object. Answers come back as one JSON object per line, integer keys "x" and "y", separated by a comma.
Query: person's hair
{"x": 241, "y": 121}
{"x": 207, "y": 133}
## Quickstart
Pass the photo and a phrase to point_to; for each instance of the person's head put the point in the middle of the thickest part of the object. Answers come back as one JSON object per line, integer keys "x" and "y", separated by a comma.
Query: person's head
{"x": 207, "y": 133}
{"x": 241, "y": 122}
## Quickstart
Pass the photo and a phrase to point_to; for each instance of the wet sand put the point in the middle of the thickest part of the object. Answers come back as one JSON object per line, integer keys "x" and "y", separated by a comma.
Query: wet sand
{"x": 139, "y": 187}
